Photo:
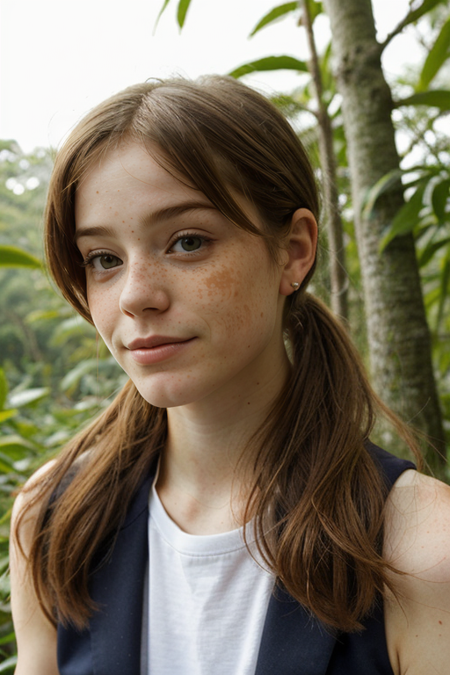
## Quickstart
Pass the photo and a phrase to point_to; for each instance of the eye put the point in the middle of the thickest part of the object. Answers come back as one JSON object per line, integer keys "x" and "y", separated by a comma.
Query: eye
{"x": 107, "y": 261}
{"x": 188, "y": 244}
{"x": 102, "y": 261}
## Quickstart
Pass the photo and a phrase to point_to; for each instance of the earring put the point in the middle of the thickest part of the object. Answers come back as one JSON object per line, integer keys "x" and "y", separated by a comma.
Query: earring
{"x": 295, "y": 286}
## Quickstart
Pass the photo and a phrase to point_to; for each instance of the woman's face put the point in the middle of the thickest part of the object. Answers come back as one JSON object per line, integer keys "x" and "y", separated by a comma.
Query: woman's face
{"x": 187, "y": 303}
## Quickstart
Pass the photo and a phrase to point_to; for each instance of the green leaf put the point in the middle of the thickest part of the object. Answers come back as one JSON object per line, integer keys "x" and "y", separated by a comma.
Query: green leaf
{"x": 7, "y": 638}
{"x": 183, "y": 7}
{"x": 7, "y": 414}
{"x": 437, "y": 56}
{"x": 7, "y": 667}
{"x": 15, "y": 446}
{"x": 27, "y": 396}
{"x": 5, "y": 461}
{"x": 315, "y": 8}
{"x": 429, "y": 251}
{"x": 26, "y": 429}
{"x": 406, "y": 219}
{"x": 431, "y": 297}
{"x": 274, "y": 14}
{"x": 72, "y": 378}
{"x": 445, "y": 281}
{"x": 5, "y": 469}
{"x": 43, "y": 315}
{"x": 439, "y": 199}
{"x": 424, "y": 8}
{"x": 438, "y": 98}
{"x": 270, "y": 63}
{"x": 161, "y": 12}
{"x": 11, "y": 256}
{"x": 328, "y": 80}
{"x": 381, "y": 186}
{"x": 70, "y": 328}
{"x": 3, "y": 389}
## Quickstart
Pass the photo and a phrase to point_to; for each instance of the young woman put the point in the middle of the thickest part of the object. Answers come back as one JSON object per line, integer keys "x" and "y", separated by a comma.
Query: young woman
{"x": 227, "y": 513}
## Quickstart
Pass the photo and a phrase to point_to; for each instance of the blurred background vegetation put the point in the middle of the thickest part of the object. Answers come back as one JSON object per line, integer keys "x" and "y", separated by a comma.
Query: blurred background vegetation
{"x": 56, "y": 374}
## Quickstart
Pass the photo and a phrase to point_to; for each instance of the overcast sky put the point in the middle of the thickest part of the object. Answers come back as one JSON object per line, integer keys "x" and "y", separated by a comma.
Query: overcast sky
{"x": 60, "y": 58}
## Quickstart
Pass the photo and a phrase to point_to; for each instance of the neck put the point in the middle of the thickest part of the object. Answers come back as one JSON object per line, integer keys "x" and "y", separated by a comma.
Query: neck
{"x": 201, "y": 482}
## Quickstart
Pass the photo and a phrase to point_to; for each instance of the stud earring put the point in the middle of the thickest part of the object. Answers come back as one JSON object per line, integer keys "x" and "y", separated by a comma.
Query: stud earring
{"x": 295, "y": 286}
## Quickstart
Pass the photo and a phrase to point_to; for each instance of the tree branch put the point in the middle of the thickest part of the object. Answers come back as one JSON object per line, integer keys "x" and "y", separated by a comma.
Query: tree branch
{"x": 412, "y": 16}
{"x": 397, "y": 30}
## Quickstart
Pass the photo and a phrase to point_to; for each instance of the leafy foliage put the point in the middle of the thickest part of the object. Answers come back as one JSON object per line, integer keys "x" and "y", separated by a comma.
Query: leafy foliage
{"x": 55, "y": 373}
{"x": 11, "y": 256}
{"x": 424, "y": 8}
{"x": 182, "y": 9}
{"x": 275, "y": 14}
{"x": 270, "y": 63}
{"x": 436, "y": 58}
{"x": 437, "y": 98}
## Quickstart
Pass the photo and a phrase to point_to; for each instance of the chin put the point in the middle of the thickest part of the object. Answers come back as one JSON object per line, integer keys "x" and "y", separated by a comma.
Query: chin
{"x": 168, "y": 395}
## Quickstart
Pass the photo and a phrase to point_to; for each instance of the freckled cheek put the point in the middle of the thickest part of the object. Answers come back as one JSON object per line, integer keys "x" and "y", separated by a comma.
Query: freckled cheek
{"x": 238, "y": 308}
{"x": 102, "y": 308}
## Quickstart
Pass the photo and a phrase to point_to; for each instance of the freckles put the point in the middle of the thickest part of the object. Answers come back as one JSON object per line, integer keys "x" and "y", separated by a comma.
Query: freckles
{"x": 101, "y": 313}
{"x": 235, "y": 320}
{"x": 221, "y": 281}
{"x": 144, "y": 273}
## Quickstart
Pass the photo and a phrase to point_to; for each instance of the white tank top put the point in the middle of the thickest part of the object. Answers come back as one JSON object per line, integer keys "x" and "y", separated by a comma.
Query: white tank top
{"x": 207, "y": 600}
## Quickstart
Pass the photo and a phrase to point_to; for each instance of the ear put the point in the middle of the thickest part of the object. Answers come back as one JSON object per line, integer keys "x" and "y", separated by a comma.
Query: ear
{"x": 300, "y": 250}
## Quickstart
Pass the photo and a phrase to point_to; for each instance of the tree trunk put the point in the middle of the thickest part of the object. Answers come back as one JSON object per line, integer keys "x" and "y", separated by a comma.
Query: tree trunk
{"x": 398, "y": 334}
{"x": 338, "y": 275}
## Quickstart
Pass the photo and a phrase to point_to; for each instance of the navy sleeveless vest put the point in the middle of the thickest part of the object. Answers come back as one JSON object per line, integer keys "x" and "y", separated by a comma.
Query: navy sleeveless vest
{"x": 293, "y": 641}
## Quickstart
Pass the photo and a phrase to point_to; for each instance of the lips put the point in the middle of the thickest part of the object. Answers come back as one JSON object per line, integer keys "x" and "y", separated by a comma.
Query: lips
{"x": 157, "y": 348}
{"x": 155, "y": 341}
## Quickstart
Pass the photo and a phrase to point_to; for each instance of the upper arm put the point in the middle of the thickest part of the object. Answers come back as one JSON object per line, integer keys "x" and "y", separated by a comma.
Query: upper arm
{"x": 36, "y": 636}
{"x": 417, "y": 542}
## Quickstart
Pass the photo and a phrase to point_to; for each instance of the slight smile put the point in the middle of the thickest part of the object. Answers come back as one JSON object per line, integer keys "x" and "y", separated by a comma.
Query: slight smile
{"x": 147, "y": 351}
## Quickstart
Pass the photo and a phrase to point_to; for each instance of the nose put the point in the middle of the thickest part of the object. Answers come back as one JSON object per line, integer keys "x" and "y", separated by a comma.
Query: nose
{"x": 144, "y": 290}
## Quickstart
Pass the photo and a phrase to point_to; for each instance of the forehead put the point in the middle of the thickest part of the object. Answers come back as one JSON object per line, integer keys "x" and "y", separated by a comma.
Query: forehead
{"x": 127, "y": 165}
{"x": 129, "y": 176}
{"x": 130, "y": 181}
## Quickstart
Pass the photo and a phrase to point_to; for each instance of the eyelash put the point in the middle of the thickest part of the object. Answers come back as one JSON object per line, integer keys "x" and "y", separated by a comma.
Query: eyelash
{"x": 89, "y": 259}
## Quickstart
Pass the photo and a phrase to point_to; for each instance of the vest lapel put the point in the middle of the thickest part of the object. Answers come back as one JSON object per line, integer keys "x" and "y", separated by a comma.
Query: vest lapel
{"x": 293, "y": 642}
{"x": 118, "y": 588}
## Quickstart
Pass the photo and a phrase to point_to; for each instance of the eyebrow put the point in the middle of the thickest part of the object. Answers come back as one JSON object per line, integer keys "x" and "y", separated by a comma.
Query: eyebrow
{"x": 160, "y": 215}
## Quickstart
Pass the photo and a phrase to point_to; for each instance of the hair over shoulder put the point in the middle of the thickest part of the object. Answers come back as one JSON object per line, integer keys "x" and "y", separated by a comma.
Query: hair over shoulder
{"x": 317, "y": 498}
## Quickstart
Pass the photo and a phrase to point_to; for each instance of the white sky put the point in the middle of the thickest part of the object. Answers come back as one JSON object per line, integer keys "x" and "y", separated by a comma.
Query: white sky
{"x": 60, "y": 58}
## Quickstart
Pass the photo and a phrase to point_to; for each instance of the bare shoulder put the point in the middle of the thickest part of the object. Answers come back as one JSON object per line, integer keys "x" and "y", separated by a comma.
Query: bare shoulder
{"x": 418, "y": 525}
{"x": 36, "y": 637}
{"x": 417, "y": 543}
{"x": 29, "y": 490}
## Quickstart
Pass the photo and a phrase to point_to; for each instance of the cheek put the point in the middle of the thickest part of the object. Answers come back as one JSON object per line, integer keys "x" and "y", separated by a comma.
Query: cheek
{"x": 240, "y": 296}
{"x": 101, "y": 306}
{"x": 224, "y": 293}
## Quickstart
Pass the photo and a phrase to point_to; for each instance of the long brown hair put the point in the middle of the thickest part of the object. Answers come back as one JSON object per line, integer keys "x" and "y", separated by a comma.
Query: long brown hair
{"x": 312, "y": 473}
